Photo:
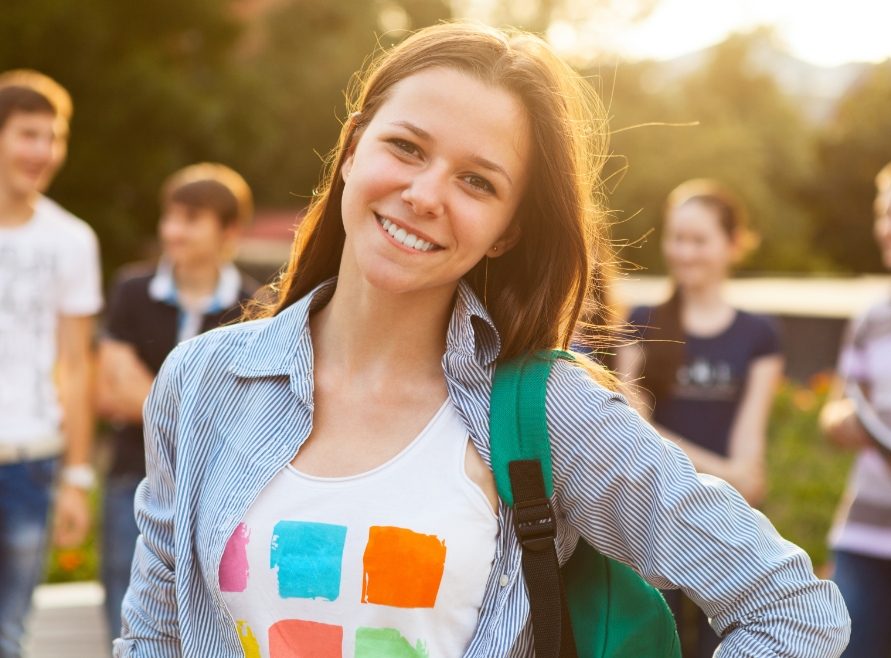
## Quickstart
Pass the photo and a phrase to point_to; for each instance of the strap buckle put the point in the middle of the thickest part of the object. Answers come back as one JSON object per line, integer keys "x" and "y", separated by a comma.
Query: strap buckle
{"x": 534, "y": 524}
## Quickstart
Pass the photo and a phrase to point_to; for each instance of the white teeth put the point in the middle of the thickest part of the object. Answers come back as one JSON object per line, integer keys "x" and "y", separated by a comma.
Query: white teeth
{"x": 404, "y": 237}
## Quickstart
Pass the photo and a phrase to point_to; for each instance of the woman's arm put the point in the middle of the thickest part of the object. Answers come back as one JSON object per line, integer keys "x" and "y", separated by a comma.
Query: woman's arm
{"x": 150, "y": 620}
{"x": 743, "y": 467}
{"x": 838, "y": 420}
{"x": 123, "y": 382}
{"x": 637, "y": 499}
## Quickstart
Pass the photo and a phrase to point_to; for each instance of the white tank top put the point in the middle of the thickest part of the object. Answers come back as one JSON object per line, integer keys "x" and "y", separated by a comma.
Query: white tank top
{"x": 388, "y": 564}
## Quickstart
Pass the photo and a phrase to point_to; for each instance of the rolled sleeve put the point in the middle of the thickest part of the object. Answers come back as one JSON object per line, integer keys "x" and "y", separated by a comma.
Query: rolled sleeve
{"x": 150, "y": 619}
{"x": 637, "y": 498}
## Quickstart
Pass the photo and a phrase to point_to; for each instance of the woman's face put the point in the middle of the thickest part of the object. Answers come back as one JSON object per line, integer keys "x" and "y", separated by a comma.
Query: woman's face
{"x": 696, "y": 247}
{"x": 883, "y": 227}
{"x": 434, "y": 181}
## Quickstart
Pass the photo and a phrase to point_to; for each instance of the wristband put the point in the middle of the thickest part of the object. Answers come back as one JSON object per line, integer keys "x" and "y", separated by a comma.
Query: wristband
{"x": 81, "y": 476}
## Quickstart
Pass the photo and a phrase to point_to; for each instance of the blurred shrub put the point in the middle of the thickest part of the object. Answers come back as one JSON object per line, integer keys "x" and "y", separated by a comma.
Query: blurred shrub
{"x": 806, "y": 475}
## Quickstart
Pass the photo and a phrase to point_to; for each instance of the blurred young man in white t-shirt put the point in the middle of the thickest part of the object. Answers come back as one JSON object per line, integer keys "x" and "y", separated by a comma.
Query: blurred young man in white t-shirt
{"x": 49, "y": 294}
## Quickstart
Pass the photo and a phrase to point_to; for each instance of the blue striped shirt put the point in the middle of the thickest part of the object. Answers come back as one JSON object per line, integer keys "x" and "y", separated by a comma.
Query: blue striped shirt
{"x": 231, "y": 408}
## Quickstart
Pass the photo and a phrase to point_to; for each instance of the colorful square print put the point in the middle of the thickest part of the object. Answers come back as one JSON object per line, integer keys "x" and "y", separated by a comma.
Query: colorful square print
{"x": 402, "y": 568}
{"x": 233, "y": 571}
{"x": 386, "y": 643}
{"x": 248, "y": 641}
{"x": 295, "y": 638}
{"x": 309, "y": 558}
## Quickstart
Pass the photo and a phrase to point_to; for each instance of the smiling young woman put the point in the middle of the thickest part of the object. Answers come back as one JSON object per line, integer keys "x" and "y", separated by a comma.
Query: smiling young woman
{"x": 319, "y": 479}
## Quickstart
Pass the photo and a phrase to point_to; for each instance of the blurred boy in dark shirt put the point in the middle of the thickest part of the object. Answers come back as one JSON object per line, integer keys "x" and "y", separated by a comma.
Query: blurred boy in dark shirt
{"x": 194, "y": 288}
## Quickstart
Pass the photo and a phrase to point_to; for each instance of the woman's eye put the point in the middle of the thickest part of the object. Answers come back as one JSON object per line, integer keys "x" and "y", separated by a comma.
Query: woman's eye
{"x": 404, "y": 146}
{"x": 480, "y": 183}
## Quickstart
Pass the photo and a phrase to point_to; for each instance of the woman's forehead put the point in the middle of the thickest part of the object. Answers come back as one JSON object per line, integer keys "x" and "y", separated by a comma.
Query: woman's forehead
{"x": 456, "y": 110}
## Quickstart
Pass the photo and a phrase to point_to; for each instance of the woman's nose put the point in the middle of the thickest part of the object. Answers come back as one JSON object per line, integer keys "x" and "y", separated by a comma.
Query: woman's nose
{"x": 426, "y": 193}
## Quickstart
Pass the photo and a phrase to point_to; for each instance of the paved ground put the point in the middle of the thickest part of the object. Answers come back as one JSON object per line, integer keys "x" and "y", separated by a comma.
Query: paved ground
{"x": 67, "y": 621}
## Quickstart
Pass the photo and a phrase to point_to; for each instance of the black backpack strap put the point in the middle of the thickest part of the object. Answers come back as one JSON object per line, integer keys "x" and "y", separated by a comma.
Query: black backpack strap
{"x": 536, "y": 530}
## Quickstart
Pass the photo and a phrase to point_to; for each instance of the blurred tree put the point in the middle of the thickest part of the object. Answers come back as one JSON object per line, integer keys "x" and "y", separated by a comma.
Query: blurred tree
{"x": 749, "y": 135}
{"x": 852, "y": 149}
{"x": 304, "y": 52}
{"x": 152, "y": 87}
{"x": 254, "y": 84}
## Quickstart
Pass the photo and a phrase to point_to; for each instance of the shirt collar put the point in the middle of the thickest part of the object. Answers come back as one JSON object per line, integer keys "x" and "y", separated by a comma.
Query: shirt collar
{"x": 162, "y": 287}
{"x": 283, "y": 343}
{"x": 471, "y": 331}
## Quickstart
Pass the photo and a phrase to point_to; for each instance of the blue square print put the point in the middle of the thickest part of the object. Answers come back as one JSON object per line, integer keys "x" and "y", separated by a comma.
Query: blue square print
{"x": 309, "y": 558}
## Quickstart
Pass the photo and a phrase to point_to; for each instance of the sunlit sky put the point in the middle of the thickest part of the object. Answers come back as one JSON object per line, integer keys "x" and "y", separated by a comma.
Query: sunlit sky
{"x": 826, "y": 32}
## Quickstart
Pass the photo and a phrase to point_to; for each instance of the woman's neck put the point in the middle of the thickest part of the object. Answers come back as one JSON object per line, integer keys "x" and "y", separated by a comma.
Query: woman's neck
{"x": 196, "y": 281}
{"x": 704, "y": 312}
{"x": 703, "y": 298}
{"x": 365, "y": 329}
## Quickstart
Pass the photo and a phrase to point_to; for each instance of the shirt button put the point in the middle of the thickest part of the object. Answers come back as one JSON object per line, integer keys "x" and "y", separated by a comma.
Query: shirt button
{"x": 504, "y": 580}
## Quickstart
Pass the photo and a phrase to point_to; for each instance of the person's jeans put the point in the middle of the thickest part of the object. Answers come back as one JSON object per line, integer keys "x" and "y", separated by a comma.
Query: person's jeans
{"x": 118, "y": 544}
{"x": 25, "y": 492}
{"x": 865, "y": 584}
{"x": 698, "y": 638}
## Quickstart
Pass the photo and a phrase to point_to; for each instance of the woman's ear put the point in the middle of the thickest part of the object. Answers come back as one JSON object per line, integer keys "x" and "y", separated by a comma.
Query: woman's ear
{"x": 506, "y": 242}
{"x": 351, "y": 147}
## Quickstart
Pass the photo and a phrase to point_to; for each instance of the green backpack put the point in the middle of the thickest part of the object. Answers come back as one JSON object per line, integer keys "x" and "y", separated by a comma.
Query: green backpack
{"x": 592, "y": 607}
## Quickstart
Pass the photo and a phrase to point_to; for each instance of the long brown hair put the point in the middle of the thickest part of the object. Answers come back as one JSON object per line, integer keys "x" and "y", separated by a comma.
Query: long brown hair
{"x": 537, "y": 291}
{"x": 666, "y": 353}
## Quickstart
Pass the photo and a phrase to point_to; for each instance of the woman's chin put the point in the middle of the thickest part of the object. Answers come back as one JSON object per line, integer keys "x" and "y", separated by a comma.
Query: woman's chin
{"x": 391, "y": 278}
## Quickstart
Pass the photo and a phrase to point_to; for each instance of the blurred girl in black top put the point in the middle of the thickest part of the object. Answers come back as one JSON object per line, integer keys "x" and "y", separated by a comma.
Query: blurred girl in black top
{"x": 194, "y": 288}
{"x": 706, "y": 373}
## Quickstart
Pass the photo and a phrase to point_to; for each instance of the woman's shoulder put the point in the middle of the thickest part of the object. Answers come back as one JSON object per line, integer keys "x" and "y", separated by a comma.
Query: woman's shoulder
{"x": 641, "y": 315}
{"x": 574, "y": 395}
{"x": 762, "y": 331}
{"x": 640, "y": 320}
{"x": 211, "y": 355}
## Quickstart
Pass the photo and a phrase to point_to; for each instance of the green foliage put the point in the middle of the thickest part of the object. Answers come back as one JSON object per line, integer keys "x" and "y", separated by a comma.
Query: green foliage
{"x": 749, "y": 135}
{"x": 852, "y": 149}
{"x": 806, "y": 475}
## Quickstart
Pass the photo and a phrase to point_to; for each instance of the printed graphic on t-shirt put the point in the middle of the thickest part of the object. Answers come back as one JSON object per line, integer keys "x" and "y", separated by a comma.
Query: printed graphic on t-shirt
{"x": 702, "y": 379}
{"x": 400, "y": 569}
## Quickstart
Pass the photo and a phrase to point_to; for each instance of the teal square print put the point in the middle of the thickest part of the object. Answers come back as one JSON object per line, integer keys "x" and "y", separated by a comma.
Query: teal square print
{"x": 309, "y": 558}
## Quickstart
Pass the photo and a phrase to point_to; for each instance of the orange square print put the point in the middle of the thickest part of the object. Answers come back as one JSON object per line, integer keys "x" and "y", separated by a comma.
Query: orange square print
{"x": 402, "y": 568}
{"x": 295, "y": 638}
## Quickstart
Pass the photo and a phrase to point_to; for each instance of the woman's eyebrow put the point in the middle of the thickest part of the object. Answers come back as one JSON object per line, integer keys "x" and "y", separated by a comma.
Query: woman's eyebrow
{"x": 491, "y": 166}
{"x": 420, "y": 132}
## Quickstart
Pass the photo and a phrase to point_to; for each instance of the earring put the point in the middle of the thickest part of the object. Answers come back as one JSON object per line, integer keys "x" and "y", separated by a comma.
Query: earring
{"x": 494, "y": 248}
{"x": 486, "y": 286}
